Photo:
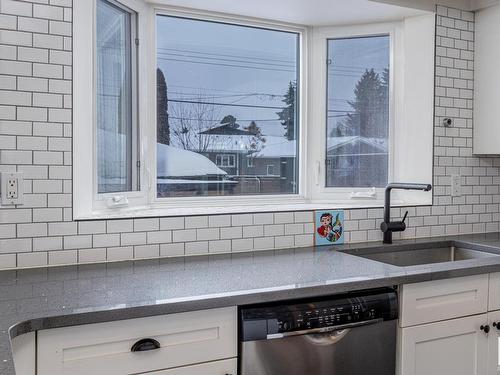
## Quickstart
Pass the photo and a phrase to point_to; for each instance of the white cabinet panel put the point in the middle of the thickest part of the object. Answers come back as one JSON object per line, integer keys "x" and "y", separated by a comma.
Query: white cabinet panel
{"x": 227, "y": 367}
{"x": 494, "y": 292}
{"x": 432, "y": 301}
{"x": 23, "y": 353}
{"x": 185, "y": 339}
{"x": 453, "y": 347}
{"x": 493, "y": 343}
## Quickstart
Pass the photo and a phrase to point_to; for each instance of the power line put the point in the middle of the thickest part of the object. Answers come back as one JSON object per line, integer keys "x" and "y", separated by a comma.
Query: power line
{"x": 222, "y": 54}
{"x": 223, "y": 104}
{"x": 228, "y": 65}
{"x": 242, "y": 105}
{"x": 224, "y": 59}
{"x": 207, "y": 120}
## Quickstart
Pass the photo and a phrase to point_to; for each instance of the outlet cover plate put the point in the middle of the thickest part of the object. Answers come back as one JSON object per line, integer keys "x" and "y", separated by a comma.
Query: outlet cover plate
{"x": 12, "y": 188}
{"x": 456, "y": 185}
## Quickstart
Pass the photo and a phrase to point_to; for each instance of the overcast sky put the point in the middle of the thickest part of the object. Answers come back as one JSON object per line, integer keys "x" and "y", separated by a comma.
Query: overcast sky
{"x": 246, "y": 66}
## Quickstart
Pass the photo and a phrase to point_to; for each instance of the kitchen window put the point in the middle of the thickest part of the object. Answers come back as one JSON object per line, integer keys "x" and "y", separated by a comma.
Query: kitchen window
{"x": 192, "y": 110}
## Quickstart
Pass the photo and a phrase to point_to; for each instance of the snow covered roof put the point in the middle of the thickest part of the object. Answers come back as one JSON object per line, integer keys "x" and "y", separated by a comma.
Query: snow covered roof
{"x": 177, "y": 162}
{"x": 334, "y": 143}
{"x": 277, "y": 147}
{"x": 273, "y": 147}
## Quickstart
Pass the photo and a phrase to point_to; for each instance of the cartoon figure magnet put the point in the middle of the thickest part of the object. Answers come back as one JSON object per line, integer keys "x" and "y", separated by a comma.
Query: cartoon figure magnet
{"x": 329, "y": 227}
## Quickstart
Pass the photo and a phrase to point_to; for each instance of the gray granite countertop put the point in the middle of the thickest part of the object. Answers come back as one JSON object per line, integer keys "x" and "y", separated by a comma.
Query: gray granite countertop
{"x": 45, "y": 298}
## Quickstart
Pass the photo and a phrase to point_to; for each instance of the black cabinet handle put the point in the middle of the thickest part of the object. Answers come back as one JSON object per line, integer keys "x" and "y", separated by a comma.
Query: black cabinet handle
{"x": 496, "y": 325}
{"x": 485, "y": 328}
{"x": 144, "y": 345}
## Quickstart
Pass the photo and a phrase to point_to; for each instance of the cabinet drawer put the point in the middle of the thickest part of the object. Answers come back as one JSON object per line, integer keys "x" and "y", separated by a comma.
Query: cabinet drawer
{"x": 227, "y": 367}
{"x": 494, "y": 292}
{"x": 105, "y": 348}
{"x": 432, "y": 301}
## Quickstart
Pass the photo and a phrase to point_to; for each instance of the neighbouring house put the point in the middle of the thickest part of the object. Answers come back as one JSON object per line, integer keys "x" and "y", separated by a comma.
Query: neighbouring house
{"x": 180, "y": 171}
{"x": 260, "y": 164}
{"x": 356, "y": 161}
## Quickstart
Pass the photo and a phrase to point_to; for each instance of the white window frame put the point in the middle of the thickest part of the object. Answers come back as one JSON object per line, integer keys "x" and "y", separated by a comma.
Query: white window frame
{"x": 144, "y": 202}
{"x": 234, "y": 203}
{"x": 400, "y": 57}
{"x": 86, "y": 200}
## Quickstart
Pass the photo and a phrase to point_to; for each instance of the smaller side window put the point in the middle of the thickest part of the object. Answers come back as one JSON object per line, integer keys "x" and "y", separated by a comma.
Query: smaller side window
{"x": 116, "y": 125}
{"x": 357, "y": 139}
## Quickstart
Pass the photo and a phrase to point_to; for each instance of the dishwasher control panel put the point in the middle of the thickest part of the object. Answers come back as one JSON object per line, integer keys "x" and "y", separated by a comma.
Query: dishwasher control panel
{"x": 259, "y": 322}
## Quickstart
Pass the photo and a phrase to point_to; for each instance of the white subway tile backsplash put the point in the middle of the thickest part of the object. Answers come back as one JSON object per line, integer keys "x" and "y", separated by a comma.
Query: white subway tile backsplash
{"x": 220, "y": 246}
{"x": 77, "y": 242}
{"x": 93, "y": 255}
{"x": 106, "y": 240}
{"x": 114, "y": 254}
{"x": 196, "y": 248}
{"x": 241, "y": 219}
{"x": 159, "y": 237}
{"x": 171, "y": 223}
{"x": 35, "y": 138}
{"x": 28, "y": 260}
{"x": 172, "y": 249}
{"x": 63, "y": 257}
{"x": 8, "y": 261}
{"x": 138, "y": 238}
{"x": 146, "y": 251}
{"x": 264, "y": 243}
{"x": 144, "y": 225}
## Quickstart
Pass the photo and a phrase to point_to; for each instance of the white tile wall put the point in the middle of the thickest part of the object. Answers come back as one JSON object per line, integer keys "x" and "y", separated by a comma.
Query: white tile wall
{"x": 35, "y": 138}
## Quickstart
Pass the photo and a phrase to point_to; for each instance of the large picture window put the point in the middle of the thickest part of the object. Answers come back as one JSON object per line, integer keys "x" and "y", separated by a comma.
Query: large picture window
{"x": 227, "y": 107}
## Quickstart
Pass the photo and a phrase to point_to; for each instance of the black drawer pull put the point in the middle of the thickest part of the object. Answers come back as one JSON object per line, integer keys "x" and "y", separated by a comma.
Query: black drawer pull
{"x": 144, "y": 345}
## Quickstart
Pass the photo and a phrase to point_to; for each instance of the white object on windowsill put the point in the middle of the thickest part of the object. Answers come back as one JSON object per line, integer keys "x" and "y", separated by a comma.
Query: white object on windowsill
{"x": 371, "y": 194}
{"x": 117, "y": 201}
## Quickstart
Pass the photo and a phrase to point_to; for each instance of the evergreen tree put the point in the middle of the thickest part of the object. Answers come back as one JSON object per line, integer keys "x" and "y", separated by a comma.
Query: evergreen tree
{"x": 162, "y": 124}
{"x": 369, "y": 117}
{"x": 230, "y": 120}
{"x": 257, "y": 140}
{"x": 287, "y": 115}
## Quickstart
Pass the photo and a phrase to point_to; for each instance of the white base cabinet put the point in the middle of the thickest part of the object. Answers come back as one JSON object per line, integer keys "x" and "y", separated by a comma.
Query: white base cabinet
{"x": 493, "y": 343}
{"x": 227, "y": 367}
{"x": 451, "y": 347}
{"x": 191, "y": 343}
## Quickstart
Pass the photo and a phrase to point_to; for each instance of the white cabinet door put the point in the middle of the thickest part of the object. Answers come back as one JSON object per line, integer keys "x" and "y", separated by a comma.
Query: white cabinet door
{"x": 227, "y": 367}
{"x": 451, "y": 347}
{"x": 493, "y": 343}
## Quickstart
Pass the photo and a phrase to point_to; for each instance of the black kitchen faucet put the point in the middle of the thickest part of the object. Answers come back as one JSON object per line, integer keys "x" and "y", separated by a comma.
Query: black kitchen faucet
{"x": 388, "y": 226}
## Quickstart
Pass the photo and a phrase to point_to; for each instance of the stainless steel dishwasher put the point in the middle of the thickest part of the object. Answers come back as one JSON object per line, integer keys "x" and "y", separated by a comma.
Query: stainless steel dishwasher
{"x": 350, "y": 334}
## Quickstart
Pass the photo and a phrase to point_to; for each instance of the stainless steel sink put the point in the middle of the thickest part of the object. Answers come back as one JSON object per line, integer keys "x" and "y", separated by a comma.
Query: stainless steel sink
{"x": 413, "y": 257}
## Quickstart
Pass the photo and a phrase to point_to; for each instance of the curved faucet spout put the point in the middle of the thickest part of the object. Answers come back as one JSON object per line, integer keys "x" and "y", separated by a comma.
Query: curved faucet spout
{"x": 387, "y": 226}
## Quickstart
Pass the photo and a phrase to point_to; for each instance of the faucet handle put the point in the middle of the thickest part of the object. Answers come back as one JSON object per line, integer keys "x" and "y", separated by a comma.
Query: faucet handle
{"x": 404, "y": 217}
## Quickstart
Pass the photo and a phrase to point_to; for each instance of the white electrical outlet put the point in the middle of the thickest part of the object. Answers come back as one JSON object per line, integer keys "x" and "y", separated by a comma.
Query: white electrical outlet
{"x": 456, "y": 185}
{"x": 12, "y": 189}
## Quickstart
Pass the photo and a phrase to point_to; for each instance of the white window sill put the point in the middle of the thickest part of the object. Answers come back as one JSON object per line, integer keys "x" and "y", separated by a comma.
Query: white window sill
{"x": 297, "y": 205}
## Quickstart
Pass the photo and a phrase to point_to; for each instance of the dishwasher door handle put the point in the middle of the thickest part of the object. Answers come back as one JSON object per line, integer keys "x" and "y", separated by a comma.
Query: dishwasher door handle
{"x": 323, "y": 329}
